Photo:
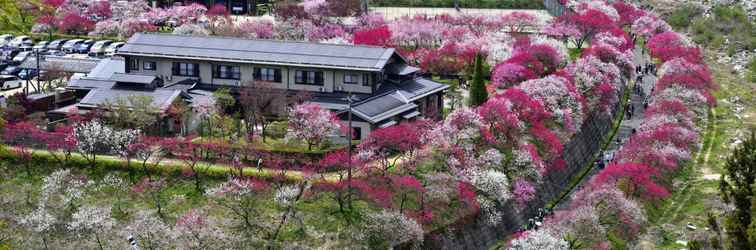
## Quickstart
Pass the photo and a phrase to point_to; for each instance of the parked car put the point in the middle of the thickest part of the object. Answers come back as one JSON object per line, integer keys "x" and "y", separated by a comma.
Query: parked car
{"x": 41, "y": 46}
{"x": 5, "y": 39}
{"x": 113, "y": 48}
{"x": 3, "y": 65}
{"x": 9, "y": 82}
{"x": 27, "y": 74}
{"x": 11, "y": 70}
{"x": 20, "y": 40}
{"x": 69, "y": 46}
{"x": 21, "y": 56}
{"x": 55, "y": 45}
{"x": 84, "y": 47}
{"x": 99, "y": 47}
{"x": 26, "y": 47}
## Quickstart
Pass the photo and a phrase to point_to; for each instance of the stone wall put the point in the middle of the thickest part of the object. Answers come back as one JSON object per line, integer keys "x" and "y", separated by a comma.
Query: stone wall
{"x": 474, "y": 233}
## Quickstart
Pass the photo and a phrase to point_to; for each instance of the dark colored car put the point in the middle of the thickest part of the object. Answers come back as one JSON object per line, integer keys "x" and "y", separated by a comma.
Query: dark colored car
{"x": 83, "y": 48}
{"x": 11, "y": 71}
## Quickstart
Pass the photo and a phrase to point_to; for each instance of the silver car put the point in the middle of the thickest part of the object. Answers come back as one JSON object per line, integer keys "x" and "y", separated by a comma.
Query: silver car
{"x": 99, "y": 47}
{"x": 113, "y": 48}
{"x": 69, "y": 46}
{"x": 19, "y": 41}
{"x": 5, "y": 39}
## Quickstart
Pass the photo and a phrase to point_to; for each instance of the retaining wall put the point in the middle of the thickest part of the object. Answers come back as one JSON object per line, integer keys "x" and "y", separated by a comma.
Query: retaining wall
{"x": 476, "y": 234}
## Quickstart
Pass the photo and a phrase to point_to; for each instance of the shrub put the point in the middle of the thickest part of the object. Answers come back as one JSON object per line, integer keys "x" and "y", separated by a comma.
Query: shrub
{"x": 682, "y": 16}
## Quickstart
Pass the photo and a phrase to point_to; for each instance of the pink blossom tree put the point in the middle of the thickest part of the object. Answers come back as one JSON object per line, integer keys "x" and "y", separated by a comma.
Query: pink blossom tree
{"x": 393, "y": 144}
{"x": 75, "y": 24}
{"x": 378, "y": 36}
{"x": 311, "y": 124}
{"x": 518, "y": 22}
{"x": 635, "y": 179}
{"x": 580, "y": 27}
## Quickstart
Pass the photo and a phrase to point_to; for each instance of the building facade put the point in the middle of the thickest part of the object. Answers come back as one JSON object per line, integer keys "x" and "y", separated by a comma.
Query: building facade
{"x": 387, "y": 89}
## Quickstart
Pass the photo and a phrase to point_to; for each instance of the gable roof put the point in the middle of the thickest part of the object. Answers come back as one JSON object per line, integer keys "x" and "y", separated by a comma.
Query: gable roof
{"x": 161, "y": 98}
{"x": 130, "y": 78}
{"x": 270, "y": 52}
{"x": 65, "y": 64}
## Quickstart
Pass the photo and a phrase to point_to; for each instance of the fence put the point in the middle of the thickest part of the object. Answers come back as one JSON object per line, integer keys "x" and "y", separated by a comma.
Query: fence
{"x": 474, "y": 233}
{"x": 554, "y": 7}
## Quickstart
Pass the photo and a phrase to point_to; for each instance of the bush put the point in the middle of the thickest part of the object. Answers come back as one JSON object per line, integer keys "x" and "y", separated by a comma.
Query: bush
{"x": 752, "y": 70}
{"x": 277, "y": 129}
{"x": 682, "y": 16}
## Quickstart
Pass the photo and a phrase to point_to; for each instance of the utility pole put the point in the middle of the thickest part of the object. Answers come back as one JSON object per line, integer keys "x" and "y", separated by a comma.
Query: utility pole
{"x": 350, "y": 99}
{"x": 364, "y": 6}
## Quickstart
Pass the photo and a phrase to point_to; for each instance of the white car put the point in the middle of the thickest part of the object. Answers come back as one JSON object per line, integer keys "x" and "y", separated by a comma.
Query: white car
{"x": 19, "y": 41}
{"x": 21, "y": 56}
{"x": 99, "y": 47}
{"x": 9, "y": 82}
{"x": 5, "y": 39}
{"x": 113, "y": 48}
{"x": 70, "y": 45}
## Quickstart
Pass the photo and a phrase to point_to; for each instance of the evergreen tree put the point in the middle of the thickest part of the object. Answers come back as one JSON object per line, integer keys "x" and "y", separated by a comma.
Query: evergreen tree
{"x": 737, "y": 188}
{"x": 478, "y": 94}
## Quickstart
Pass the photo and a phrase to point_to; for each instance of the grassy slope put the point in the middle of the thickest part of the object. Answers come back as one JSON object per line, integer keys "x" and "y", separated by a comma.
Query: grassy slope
{"x": 695, "y": 193}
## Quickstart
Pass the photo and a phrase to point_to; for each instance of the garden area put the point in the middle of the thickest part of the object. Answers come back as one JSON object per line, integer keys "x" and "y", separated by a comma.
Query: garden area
{"x": 97, "y": 181}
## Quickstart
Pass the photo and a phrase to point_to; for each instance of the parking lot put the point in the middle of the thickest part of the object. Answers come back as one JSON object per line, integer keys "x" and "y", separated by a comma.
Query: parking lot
{"x": 18, "y": 56}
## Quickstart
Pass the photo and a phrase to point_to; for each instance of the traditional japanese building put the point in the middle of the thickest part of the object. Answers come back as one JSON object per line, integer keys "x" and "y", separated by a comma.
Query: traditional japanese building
{"x": 387, "y": 90}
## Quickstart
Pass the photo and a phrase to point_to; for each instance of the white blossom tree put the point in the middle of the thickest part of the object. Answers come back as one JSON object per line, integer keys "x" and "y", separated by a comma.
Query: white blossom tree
{"x": 92, "y": 220}
{"x": 392, "y": 228}
{"x": 150, "y": 231}
{"x": 93, "y": 138}
{"x": 539, "y": 239}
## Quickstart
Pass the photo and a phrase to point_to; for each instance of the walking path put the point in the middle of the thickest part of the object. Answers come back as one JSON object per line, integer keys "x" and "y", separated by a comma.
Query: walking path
{"x": 629, "y": 122}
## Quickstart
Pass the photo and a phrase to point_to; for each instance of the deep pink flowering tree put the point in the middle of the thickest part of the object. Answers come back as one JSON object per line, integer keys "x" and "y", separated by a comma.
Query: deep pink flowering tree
{"x": 393, "y": 144}
{"x": 634, "y": 179}
{"x": 580, "y": 27}
{"x": 681, "y": 72}
{"x": 99, "y": 10}
{"x": 518, "y": 22}
{"x": 670, "y": 45}
{"x": 506, "y": 75}
{"x": 377, "y": 36}
{"x": 667, "y": 112}
{"x": 663, "y": 148}
{"x": 312, "y": 124}
{"x": 628, "y": 12}
{"x": 73, "y": 23}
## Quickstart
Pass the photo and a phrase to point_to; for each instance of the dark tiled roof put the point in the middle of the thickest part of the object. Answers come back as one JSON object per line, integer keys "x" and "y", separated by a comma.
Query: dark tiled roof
{"x": 107, "y": 67}
{"x": 382, "y": 106}
{"x": 161, "y": 98}
{"x": 129, "y": 78}
{"x": 86, "y": 83}
{"x": 66, "y": 64}
{"x": 413, "y": 89}
{"x": 401, "y": 69}
{"x": 258, "y": 51}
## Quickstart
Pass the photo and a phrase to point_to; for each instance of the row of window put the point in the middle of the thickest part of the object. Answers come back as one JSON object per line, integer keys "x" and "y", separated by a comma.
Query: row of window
{"x": 304, "y": 77}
